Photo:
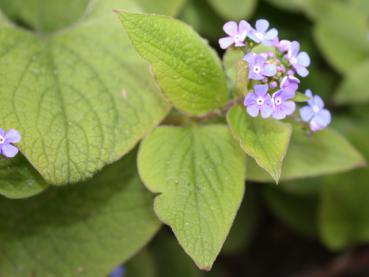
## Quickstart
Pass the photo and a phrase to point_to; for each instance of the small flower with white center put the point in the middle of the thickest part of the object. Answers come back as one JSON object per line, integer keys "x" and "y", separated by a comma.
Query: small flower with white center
{"x": 7, "y": 139}
{"x": 259, "y": 101}
{"x": 315, "y": 113}
{"x": 237, "y": 34}
{"x": 261, "y": 35}
{"x": 258, "y": 66}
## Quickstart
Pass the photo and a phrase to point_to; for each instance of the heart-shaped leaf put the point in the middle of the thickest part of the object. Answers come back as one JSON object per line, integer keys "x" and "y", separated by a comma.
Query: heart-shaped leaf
{"x": 81, "y": 98}
{"x": 83, "y": 230}
{"x": 265, "y": 140}
{"x": 187, "y": 69}
{"x": 198, "y": 172}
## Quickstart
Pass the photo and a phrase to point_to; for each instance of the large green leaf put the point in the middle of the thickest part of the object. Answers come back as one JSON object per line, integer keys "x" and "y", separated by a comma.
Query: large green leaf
{"x": 354, "y": 88}
{"x": 325, "y": 152}
{"x": 187, "y": 69}
{"x": 45, "y": 16}
{"x": 81, "y": 98}
{"x": 234, "y": 9}
{"x": 171, "y": 7}
{"x": 344, "y": 217}
{"x": 18, "y": 179}
{"x": 198, "y": 174}
{"x": 265, "y": 140}
{"x": 299, "y": 212}
{"x": 84, "y": 230}
{"x": 342, "y": 35}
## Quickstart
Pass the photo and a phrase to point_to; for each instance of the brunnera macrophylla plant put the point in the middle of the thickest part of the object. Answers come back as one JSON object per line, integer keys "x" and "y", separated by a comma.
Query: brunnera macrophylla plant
{"x": 195, "y": 162}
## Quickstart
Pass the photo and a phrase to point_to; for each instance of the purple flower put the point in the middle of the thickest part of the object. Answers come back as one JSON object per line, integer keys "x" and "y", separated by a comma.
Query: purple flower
{"x": 259, "y": 101}
{"x": 283, "y": 107}
{"x": 283, "y": 45}
{"x": 237, "y": 34}
{"x": 299, "y": 61}
{"x": 315, "y": 113}
{"x": 118, "y": 272}
{"x": 290, "y": 83}
{"x": 261, "y": 35}
{"x": 258, "y": 66}
{"x": 6, "y": 139}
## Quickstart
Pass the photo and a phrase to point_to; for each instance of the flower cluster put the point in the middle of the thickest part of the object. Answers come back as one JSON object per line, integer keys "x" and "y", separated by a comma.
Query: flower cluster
{"x": 7, "y": 149}
{"x": 274, "y": 75}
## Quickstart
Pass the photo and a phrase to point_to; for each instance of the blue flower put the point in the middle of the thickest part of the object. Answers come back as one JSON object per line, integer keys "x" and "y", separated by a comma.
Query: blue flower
{"x": 261, "y": 35}
{"x": 318, "y": 117}
{"x": 6, "y": 140}
{"x": 237, "y": 34}
{"x": 298, "y": 60}
{"x": 258, "y": 66}
{"x": 259, "y": 102}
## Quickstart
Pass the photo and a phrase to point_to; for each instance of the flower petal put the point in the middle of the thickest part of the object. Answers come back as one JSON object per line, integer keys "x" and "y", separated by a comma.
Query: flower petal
{"x": 261, "y": 90}
{"x": 279, "y": 114}
{"x": 266, "y": 111}
{"x": 262, "y": 25}
{"x": 302, "y": 71}
{"x": 252, "y": 35}
{"x": 253, "y": 110}
{"x": 289, "y": 107}
{"x": 318, "y": 101}
{"x": 249, "y": 57}
{"x": 231, "y": 28}
{"x": 9, "y": 150}
{"x": 243, "y": 29}
{"x": 306, "y": 113}
{"x": 226, "y": 42}
{"x": 270, "y": 70}
{"x": 12, "y": 136}
{"x": 323, "y": 118}
{"x": 294, "y": 49}
{"x": 249, "y": 99}
{"x": 271, "y": 34}
{"x": 303, "y": 59}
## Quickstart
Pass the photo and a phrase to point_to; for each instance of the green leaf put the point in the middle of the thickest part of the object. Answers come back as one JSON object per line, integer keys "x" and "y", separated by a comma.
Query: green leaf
{"x": 83, "y": 230}
{"x": 354, "y": 88}
{"x": 187, "y": 69}
{"x": 78, "y": 102}
{"x": 18, "y": 179}
{"x": 171, "y": 7}
{"x": 45, "y": 16}
{"x": 300, "y": 97}
{"x": 265, "y": 140}
{"x": 298, "y": 212}
{"x": 325, "y": 152}
{"x": 344, "y": 217}
{"x": 234, "y": 9}
{"x": 245, "y": 224}
{"x": 199, "y": 175}
{"x": 235, "y": 68}
{"x": 342, "y": 35}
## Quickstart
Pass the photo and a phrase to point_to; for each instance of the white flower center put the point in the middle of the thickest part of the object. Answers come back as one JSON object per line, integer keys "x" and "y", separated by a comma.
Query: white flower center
{"x": 2, "y": 139}
{"x": 278, "y": 101}
{"x": 257, "y": 69}
{"x": 316, "y": 109}
{"x": 260, "y": 101}
{"x": 260, "y": 36}
{"x": 237, "y": 38}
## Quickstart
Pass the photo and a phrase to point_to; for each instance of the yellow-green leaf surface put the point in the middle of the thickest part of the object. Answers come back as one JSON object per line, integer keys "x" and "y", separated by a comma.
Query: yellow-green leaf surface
{"x": 167, "y": 7}
{"x": 234, "y": 9}
{"x": 197, "y": 172}
{"x": 85, "y": 230}
{"x": 342, "y": 35}
{"x": 354, "y": 88}
{"x": 18, "y": 179}
{"x": 325, "y": 152}
{"x": 45, "y": 16}
{"x": 81, "y": 98}
{"x": 188, "y": 71}
{"x": 265, "y": 140}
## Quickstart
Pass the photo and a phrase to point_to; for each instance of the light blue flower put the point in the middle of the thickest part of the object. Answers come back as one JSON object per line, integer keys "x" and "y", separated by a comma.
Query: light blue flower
{"x": 315, "y": 113}
{"x": 298, "y": 60}
{"x": 261, "y": 35}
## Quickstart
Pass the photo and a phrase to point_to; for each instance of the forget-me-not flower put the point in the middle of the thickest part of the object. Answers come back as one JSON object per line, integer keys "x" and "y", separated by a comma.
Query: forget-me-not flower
{"x": 7, "y": 139}
{"x": 261, "y": 34}
{"x": 259, "y": 102}
{"x": 237, "y": 34}
{"x": 258, "y": 66}
{"x": 298, "y": 60}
